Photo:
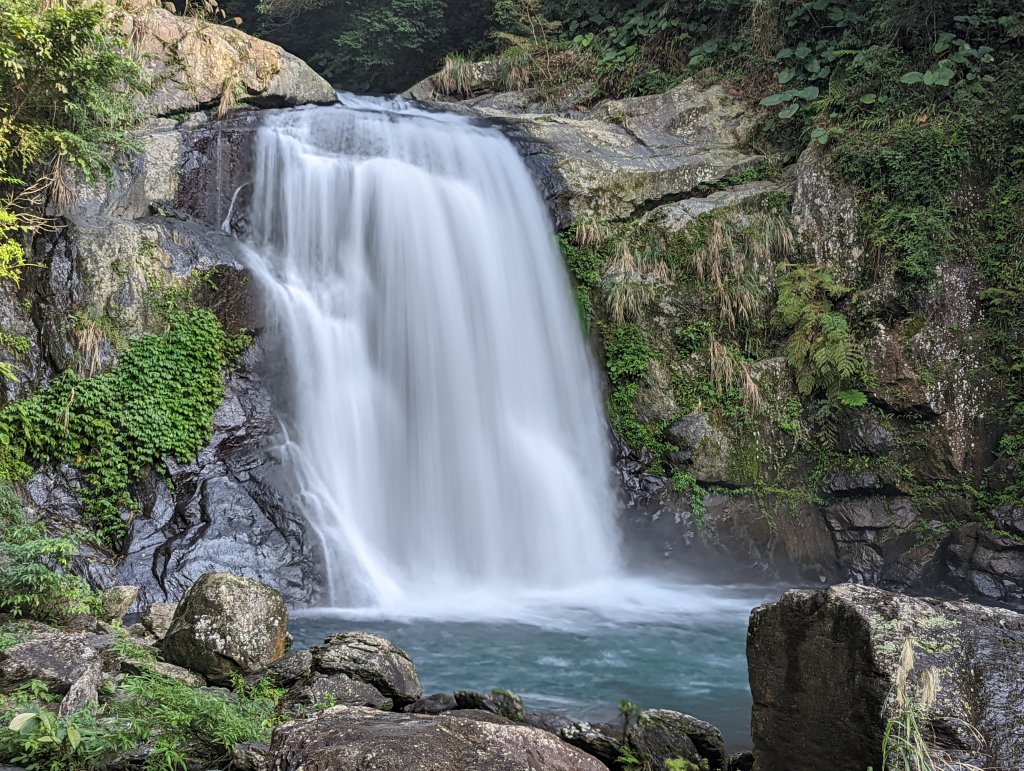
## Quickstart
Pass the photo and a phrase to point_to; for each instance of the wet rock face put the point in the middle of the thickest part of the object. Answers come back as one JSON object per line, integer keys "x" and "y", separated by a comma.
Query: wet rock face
{"x": 228, "y": 511}
{"x": 371, "y": 659}
{"x": 345, "y": 738}
{"x": 823, "y": 663}
{"x": 225, "y": 625}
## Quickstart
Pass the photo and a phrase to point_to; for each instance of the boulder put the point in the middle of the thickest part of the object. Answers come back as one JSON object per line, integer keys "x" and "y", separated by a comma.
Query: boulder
{"x": 250, "y": 756}
{"x": 287, "y": 671}
{"x": 84, "y": 690}
{"x": 225, "y": 625}
{"x": 371, "y": 659}
{"x": 333, "y": 690}
{"x": 628, "y": 155}
{"x": 503, "y": 703}
{"x": 547, "y": 720}
{"x": 658, "y": 735}
{"x": 703, "y": 450}
{"x": 353, "y": 738}
{"x": 824, "y": 667}
{"x": 172, "y": 671}
{"x": 60, "y": 660}
{"x": 196, "y": 64}
{"x": 603, "y": 742}
{"x": 434, "y": 704}
{"x": 157, "y": 618}
{"x": 825, "y": 217}
{"x": 117, "y": 601}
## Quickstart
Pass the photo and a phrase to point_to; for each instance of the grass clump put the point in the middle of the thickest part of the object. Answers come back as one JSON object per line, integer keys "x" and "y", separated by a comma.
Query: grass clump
{"x": 180, "y": 726}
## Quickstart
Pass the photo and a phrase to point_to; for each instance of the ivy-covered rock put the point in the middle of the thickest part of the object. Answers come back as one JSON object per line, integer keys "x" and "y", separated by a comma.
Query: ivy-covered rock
{"x": 227, "y": 625}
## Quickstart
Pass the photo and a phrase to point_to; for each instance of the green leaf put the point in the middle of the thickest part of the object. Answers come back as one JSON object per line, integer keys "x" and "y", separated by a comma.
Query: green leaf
{"x": 912, "y": 77}
{"x": 786, "y": 75}
{"x": 809, "y": 94}
{"x": 789, "y": 111}
{"x": 774, "y": 99}
{"x": 24, "y": 722}
{"x": 869, "y": 98}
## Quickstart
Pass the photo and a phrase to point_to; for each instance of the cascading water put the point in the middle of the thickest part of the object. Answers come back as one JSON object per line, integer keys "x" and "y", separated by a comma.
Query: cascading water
{"x": 445, "y": 419}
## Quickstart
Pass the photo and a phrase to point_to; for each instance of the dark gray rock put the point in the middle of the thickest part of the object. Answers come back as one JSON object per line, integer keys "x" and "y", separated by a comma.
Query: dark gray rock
{"x": 334, "y": 690}
{"x": 797, "y": 648}
{"x": 503, "y": 703}
{"x": 434, "y": 704}
{"x": 658, "y": 735}
{"x": 287, "y": 671}
{"x": 980, "y": 561}
{"x": 871, "y": 533}
{"x": 546, "y": 720}
{"x": 850, "y": 482}
{"x": 603, "y": 742}
{"x": 371, "y": 659}
{"x": 227, "y": 512}
{"x": 353, "y": 738}
{"x": 226, "y": 624}
{"x": 863, "y": 433}
{"x": 742, "y": 761}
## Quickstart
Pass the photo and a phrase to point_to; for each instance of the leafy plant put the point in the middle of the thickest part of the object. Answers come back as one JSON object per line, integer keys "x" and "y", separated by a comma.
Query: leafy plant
{"x": 683, "y": 482}
{"x": 183, "y": 726}
{"x": 822, "y": 350}
{"x": 158, "y": 402}
{"x": 35, "y": 568}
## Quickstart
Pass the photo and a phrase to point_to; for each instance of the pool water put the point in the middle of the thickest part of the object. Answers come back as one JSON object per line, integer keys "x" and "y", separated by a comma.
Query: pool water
{"x": 684, "y": 651}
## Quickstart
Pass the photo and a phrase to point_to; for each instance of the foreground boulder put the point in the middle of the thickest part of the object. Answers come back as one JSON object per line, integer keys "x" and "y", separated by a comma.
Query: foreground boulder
{"x": 350, "y": 738}
{"x": 371, "y": 659}
{"x": 824, "y": 668}
{"x": 226, "y": 624}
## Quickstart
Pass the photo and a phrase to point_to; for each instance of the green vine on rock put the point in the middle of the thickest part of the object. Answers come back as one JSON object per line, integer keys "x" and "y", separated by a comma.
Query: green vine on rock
{"x": 158, "y": 402}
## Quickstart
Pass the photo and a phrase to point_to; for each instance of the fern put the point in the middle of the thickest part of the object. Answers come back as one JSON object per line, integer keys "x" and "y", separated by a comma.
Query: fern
{"x": 822, "y": 350}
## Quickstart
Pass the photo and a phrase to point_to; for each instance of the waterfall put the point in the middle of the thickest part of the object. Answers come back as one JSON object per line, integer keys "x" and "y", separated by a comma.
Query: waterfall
{"x": 444, "y": 417}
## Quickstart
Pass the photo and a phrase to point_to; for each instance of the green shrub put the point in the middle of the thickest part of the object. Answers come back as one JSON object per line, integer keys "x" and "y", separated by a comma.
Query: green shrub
{"x": 822, "y": 350}
{"x": 184, "y": 726}
{"x": 35, "y": 577}
{"x": 158, "y": 402}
